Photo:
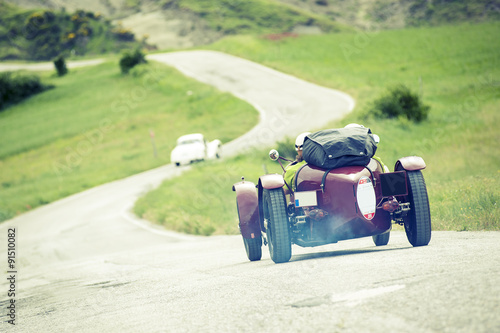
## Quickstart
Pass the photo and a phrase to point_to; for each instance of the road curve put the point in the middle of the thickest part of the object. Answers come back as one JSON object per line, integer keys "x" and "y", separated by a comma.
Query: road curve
{"x": 85, "y": 264}
{"x": 287, "y": 105}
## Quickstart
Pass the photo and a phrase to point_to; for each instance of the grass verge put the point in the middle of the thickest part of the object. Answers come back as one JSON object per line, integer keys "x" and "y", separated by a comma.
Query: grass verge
{"x": 209, "y": 210}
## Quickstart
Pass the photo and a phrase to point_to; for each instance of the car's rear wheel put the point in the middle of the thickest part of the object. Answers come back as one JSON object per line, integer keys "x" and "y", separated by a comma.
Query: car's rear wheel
{"x": 418, "y": 221}
{"x": 253, "y": 246}
{"x": 382, "y": 239}
{"x": 278, "y": 230}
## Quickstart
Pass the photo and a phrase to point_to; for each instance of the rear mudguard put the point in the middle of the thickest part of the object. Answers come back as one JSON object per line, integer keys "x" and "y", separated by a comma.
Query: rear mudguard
{"x": 271, "y": 181}
{"x": 410, "y": 163}
{"x": 247, "y": 204}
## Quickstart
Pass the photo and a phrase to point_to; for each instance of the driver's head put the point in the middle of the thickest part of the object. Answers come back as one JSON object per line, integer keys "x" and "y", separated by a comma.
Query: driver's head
{"x": 299, "y": 141}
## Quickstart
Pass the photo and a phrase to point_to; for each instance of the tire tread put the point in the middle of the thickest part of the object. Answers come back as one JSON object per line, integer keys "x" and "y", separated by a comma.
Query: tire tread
{"x": 253, "y": 247}
{"x": 281, "y": 250}
{"x": 421, "y": 228}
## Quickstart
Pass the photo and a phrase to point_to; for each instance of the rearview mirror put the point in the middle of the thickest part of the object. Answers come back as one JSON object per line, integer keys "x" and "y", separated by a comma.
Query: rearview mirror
{"x": 274, "y": 155}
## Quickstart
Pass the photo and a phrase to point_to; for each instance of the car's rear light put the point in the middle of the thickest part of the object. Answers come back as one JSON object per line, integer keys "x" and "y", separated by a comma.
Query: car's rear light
{"x": 390, "y": 206}
{"x": 317, "y": 214}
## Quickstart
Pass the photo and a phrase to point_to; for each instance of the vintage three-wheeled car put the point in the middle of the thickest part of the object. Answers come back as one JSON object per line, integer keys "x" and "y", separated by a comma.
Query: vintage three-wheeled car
{"x": 341, "y": 193}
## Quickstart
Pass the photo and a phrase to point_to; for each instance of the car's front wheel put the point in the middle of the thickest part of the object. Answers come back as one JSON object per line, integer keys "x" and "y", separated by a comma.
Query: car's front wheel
{"x": 278, "y": 230}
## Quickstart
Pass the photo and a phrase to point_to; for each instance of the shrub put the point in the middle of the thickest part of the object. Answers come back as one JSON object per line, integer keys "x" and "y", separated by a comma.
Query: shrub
{"x": 400, "y": 102}
{"x": 15, "y": 88}
{"x": 129, "y": 60}
{"x": 123, "y": 34}
{"x": 60, "y": 65}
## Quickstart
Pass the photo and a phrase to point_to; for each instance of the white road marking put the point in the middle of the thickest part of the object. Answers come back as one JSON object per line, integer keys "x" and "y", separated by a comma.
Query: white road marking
{"x": 354, "y": 298}
{"x": 349, "y": 299}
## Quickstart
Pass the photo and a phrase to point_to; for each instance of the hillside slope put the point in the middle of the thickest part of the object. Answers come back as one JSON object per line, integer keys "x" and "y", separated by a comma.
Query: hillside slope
{"x": 186, "y": 23}
{"x": 43, "y": 34}
{"x": 390, "y": 14}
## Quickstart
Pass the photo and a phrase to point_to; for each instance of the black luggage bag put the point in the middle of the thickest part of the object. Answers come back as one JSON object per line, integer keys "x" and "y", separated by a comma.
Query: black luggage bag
{"x": 335, "y": 148}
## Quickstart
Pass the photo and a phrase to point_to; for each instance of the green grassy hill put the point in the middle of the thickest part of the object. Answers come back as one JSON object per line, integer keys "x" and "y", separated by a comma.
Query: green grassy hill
{"x": 455, "y": 68}
{"x": 255, "y": 16}
{"x": 94, "y": 127}
{"x": 421, "y": 12}
{"x": 391, "y": 14}
{"x": 177, "y": 23}
{"x": 277, "y": 16}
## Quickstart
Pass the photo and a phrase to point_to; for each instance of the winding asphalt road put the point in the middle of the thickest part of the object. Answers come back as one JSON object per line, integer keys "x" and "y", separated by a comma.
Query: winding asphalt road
{"x": 85, "y": 264}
